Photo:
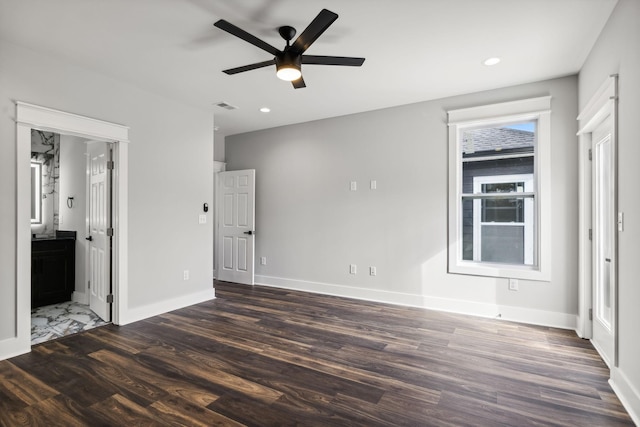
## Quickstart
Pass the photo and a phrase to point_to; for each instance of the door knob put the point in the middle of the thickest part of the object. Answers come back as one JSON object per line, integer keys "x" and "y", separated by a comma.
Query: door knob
{"x": 90, "y": 238}
{"x": 250, "y": 233}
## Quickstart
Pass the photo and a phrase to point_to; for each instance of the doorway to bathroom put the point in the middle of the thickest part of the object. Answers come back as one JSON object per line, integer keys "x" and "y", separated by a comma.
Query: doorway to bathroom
{"x": 109, "y": 260}
{"x": 71, "y": 235}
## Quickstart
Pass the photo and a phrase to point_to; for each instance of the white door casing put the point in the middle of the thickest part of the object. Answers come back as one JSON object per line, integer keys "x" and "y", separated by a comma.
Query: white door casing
{"x": 99, "y": 223}
{"x": 30, "y": 116}
{"x": 236, "y": 227}
{"x": 217, "y": 168}
{"x": 599, "y": 113}
{"x": 604, "y": 229}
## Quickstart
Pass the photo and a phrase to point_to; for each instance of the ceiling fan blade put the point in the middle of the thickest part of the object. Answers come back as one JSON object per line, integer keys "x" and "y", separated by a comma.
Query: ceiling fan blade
{"x": 240, "y": 33}
{"x": 332, "y": 60}
{"x": 249, "y": 67}
{"x": 298, "y": 84}
{"x": 318, "y": 26}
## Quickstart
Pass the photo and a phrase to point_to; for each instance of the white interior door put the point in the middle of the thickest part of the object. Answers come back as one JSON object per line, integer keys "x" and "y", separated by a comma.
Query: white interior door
{"x": 236, "y": 227}
{"x": 99, "y": 225}
{"x": 604, "y": 229}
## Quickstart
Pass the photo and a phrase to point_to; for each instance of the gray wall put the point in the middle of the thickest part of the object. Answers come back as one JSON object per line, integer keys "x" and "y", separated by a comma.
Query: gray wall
{"x": 170, "y": 174}
{"x": 311, "y": 227}
{"x": 618, "y": 51}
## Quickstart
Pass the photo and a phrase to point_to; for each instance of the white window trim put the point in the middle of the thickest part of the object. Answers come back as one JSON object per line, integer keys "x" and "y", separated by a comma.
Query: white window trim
{"x": 529, "y": 243}
{"x": 538, "y": 109}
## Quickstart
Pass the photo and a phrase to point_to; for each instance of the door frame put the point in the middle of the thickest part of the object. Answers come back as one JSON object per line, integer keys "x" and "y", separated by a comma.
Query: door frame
{"x": 217, "y": 168}
{"x": 29, "y": 116}
{"x": 603, "y": 104}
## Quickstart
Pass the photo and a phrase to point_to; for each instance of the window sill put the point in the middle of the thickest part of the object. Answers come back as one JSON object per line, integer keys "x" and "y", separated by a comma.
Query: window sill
{"x": 506, "y": 271}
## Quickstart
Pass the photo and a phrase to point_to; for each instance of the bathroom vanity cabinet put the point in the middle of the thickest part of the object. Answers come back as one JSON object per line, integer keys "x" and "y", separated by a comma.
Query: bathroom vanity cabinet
{"x": 52, "y": 270}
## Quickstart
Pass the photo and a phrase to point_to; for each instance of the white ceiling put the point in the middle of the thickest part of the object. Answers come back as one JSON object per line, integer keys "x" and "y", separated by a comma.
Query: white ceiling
{"x": 415, "y": 50}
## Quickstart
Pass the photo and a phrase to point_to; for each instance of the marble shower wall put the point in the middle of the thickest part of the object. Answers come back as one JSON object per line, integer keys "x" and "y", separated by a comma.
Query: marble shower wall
{"x": 45, "y": 149}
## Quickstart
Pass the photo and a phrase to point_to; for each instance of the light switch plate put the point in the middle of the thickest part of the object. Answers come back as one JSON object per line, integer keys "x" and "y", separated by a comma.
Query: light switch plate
{"x": 620, "y": 221}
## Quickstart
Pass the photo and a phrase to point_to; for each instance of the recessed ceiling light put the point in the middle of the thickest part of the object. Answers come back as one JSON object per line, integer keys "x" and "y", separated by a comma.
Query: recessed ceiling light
{"x": 491, "y": 61}
{"x": 265, "y": 109}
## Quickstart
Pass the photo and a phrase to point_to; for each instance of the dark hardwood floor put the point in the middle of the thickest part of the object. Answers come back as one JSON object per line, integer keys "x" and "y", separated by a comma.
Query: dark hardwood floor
{"x": 272, "y": 357}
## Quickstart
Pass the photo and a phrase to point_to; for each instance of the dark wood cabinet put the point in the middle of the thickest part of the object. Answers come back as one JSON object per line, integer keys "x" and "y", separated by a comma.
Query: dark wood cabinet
{"x": 52, "y": 270}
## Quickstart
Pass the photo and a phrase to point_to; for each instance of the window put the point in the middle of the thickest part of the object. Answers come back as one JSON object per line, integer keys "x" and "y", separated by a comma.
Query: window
{"x": 498, "y": 197}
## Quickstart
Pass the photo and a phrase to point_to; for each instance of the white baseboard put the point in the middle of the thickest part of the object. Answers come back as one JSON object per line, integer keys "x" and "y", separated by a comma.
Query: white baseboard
{"x": 144, "y": 312}
{"x": 627, "y": 393}
{"x": 80, "y": 297}
{"x": 12, "y": 347}
{"x": 503, "y": 312}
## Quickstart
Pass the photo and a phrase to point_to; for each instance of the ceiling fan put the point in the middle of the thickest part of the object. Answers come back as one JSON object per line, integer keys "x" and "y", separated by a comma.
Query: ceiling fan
{"x": 289, "y": 60}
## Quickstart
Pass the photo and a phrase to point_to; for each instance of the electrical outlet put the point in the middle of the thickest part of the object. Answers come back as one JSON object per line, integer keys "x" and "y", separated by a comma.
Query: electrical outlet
{"x": 353, "y": 186}
{"x": 513, "y": 284}
{"x": 372, "y": 271}
{"x": 263, "y": 260}
{"x": 374, "y": 184}
{"x": 185, "y": 275}
{"x": 202, "y": 219}
{"x": 353, "y": 269}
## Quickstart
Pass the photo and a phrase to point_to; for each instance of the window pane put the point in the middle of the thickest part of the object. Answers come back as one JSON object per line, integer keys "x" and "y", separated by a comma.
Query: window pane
{"x": 503, "y": 244}
{"x": 498, "y": 230}
{"x": 467, "y": 230}
{"x": 504, "y": 187}
{"x": 503, "y": 210}
{"x": 497, "y": 141}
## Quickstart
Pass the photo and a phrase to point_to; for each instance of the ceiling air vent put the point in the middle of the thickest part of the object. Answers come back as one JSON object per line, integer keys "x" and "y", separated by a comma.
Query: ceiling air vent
{"x": 225, "y": 105}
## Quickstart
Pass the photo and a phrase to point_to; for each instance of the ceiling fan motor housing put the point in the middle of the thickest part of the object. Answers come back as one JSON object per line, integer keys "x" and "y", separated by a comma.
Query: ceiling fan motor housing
{"x": 288, "y": 60}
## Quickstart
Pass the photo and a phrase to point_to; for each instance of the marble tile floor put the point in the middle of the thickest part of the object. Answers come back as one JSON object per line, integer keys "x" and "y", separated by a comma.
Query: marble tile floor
{"x": 55, "y": 321}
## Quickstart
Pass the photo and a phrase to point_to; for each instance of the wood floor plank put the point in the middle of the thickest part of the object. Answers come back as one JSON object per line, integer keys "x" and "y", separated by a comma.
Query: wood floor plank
{"x": 176, "y": 411}
{"x": 23, "y": 386}
{"x": 260, "y": 356}
{"x": 174, "y": 385}
{"x": 117, "y": 410}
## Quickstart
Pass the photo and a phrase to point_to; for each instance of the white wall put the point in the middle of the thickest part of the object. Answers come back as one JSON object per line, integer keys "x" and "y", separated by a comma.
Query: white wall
{"x": 170, "y": 177}
{"x": 73, "y": 181}
{"x": 618, "y": 51}
{"x": 311, "y": 227}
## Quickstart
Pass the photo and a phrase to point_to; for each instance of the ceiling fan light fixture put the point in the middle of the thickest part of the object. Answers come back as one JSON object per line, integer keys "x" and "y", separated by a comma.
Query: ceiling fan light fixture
{"x": 288, "y": 73}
